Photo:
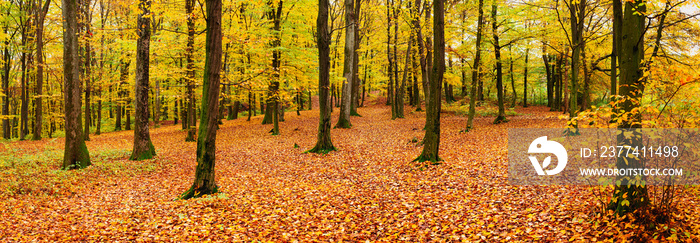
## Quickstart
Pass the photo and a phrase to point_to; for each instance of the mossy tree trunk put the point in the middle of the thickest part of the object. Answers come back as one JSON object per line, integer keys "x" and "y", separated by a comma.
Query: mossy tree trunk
{"x": 75, "y": 154}
{"x": 627, "y": 198}
{"x": 205, "y": 177}
{"x": 431, "y": 141}
{"x": 323, "y": 142}
{"x": 143, "y": 147}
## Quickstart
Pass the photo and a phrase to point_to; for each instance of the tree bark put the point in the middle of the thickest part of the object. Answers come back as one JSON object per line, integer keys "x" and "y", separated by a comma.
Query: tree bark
{"x": 499, "y": 67}
{"x": 143, "y": 147}
{"x": 205, "y": 177}
{"x": 190, "y": 119}
{"x": 323, "y": 142}
{"x": 346, "y": 100}
{"x": 38, "y": 105}
{"x": 527, "y": 55}
{"x": 431, "y": 141}
{"x": 476, "y": 68}
{"x": 75, "y": 154}
{"x": 631, "y": 191}
{"x": 355, "y": 102}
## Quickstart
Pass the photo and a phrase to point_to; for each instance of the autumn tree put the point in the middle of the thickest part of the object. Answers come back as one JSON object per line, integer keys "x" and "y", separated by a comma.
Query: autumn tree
{"x": 344, "y": 118}
{"x": 501, "y": 117}
{"x": 39, "y": 16}
{"x": 431, "y": 141}
{"x": 476, "y": 68}
{"x": 75, "y": 153}
{"x": 143, "y": 147}
{"x": 630, "y": 194}
{"x": 323, "y": 38}
{"x": 205, "y": 177}
{"x": 190, "y": 118}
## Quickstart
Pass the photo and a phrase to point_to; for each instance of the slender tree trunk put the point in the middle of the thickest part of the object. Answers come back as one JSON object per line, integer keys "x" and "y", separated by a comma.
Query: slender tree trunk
{"x": 476, "y": 68}
{"x": 124, "y": 66}
{"x": 354, "y": 103}
{"x": 323, "y": 142}
{"x": 189, "y": 56}
{"x": 6, "y": 86}
{"x": 431, "y": 141}
{"x": 499, "y": 67}
{"x": 425, "y": 71}
{"x": 617, "y": 24}
{"x": 75, "y": 154}
{"x": 40, "y": 15}
{"x": 512, "y": 78}
{"x": 143, "y": 147}
{"x": 527, "y": 55}
{"x": 205, "y": 177}
{"x": 345, "y": 103}
{"x": 404, "y": 79}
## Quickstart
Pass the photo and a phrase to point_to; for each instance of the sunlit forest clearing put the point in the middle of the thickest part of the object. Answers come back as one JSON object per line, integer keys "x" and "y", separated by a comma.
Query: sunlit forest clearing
{"x": 347, "y": 120}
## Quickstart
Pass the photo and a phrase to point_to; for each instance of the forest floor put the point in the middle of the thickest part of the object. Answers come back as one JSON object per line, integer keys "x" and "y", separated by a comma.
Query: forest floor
{"x": 367, "y": 190}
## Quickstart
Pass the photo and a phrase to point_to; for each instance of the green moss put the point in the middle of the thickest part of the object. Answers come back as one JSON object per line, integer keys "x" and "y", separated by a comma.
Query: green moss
{"x": 343, "y": 123}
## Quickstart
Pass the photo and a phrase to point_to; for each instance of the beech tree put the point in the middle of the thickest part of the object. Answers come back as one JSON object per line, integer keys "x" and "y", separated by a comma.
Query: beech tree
{"x": 431, "y": 141}
{"x": 205, "y": 177}
{"x": 323, "y": 38}
{"x": 143, "y": 147}
{"x": 344, "y": 118}
{"x": 75, "y": 155}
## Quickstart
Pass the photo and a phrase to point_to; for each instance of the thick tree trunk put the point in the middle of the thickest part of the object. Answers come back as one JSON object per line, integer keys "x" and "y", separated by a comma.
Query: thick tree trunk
{"x": 205, "y": 177}
{"x": 323, "y": 142}
{"x": 499, "y": 67}
{"x": 345, "y": 103}
{"x": 143, "y": 147}
{"x": 431, "y": 141}
{"x": 75, "y": 154}
{"x": 631, "y": 194}
{"x": 476, "y": 68}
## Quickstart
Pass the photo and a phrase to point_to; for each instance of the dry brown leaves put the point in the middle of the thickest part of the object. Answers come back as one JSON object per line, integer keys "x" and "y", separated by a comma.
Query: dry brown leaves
{"x": 368, "y": 190}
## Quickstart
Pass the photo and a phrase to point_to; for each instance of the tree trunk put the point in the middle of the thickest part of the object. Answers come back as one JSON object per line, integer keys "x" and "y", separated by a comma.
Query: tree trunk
{"x": 431, "y": 141}
{"x": 75, "y": 154}
{"x": 527, "y": 55}
{"x": 577, "y": 15}
{"x": 124, "y": 66}
{"x": 6, "y": 85}
{"x": 143, "y": 147}
{"x": 205, "y": 178}
{"x": 189, "y": 56}
{"x": 630, "y": 194}
{"x": 345, "y": 103}
{"x": 272, "y": 114}
{"x": 617, "y": 24}
{"x": 323, "y": 142}
{"x": 40, "y": 15}
{"x": 499, "y": 67}
{"x": 512, "y": 78}
{"x": 476, "y": 68}
{"x": 355, "y": 102}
